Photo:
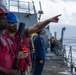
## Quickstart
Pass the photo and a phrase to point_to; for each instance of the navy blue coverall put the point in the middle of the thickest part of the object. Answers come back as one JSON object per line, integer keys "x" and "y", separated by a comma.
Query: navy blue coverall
{"x": 39, "y": 54}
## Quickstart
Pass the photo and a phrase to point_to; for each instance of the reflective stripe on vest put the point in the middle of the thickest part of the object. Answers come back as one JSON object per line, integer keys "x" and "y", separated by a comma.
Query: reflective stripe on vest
{"x": 21, "y": 39}
{"x": 10, "y": 41}
{"x": 3, "y": 40}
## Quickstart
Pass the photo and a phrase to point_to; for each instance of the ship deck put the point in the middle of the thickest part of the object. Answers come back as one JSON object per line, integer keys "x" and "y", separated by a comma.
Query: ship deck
{"x": 54, "y": 65}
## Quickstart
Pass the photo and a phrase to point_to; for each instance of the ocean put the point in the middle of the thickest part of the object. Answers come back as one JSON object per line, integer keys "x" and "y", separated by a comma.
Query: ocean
{"x": 72, "y": 43}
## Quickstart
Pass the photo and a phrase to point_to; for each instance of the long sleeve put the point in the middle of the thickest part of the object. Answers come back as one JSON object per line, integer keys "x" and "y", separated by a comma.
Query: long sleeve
{"x": 39, "y": 47}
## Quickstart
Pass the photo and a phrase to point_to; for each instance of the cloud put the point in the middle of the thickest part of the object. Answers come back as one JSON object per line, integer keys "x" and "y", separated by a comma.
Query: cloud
{"x": 68, "y": 0}
{"x": 54, "y": 7}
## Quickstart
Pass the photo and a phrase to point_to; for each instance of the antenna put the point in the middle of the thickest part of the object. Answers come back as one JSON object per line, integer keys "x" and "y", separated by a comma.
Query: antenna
{"x": 40, "y": 5}
{"x": 40, "y": 12}
{"x": 34, "y": 7}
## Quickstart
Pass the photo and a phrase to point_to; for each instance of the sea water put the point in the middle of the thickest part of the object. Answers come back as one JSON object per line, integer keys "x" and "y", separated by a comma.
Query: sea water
{"x": 71, "y": 43}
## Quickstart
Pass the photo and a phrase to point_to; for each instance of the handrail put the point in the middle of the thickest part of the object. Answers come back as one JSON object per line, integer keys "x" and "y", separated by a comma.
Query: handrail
{"x": 70, "y": 62}
{"x": 19, "y": 6}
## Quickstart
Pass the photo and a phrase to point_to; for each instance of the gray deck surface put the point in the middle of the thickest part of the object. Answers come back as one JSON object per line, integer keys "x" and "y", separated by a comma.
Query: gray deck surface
{"x": 54, "y": 65}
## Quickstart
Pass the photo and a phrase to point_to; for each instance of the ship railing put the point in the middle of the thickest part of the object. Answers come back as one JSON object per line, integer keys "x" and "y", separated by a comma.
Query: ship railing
{"x": 19, "y": 6}
{"x": 68, "y": 57}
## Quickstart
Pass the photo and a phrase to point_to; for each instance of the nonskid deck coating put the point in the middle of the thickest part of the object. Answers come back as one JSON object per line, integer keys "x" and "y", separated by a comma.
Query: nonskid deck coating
{"x": 55, "y": 66}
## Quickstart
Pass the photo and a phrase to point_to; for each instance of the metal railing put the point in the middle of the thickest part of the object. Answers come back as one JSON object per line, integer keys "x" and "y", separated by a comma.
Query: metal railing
{"x": 70, "y": 62}
{"x": 19, "y": 6}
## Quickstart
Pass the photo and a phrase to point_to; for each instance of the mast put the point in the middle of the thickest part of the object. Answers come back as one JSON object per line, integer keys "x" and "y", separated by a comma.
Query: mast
{"x": 40, "y": 12}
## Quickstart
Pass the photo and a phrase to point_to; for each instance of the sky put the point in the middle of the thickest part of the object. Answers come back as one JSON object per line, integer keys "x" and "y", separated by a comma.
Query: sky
{"x": 54, "y": 7}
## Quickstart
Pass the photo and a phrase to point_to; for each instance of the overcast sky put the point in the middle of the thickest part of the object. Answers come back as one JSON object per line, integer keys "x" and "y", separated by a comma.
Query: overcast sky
{"x": 54, "y": 7}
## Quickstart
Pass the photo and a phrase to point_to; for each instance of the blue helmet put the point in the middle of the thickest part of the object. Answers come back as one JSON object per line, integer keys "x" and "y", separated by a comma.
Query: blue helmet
{"x": 11, "y": 17}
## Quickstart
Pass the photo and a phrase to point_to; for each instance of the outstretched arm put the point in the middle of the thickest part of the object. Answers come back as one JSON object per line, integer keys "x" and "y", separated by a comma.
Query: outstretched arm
{"x": 43, "y": 24}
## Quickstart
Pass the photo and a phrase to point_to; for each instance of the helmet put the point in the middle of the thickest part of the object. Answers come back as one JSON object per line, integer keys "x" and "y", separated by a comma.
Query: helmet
{"x": 2, "y": 11}
{"x": 11, "y": 17}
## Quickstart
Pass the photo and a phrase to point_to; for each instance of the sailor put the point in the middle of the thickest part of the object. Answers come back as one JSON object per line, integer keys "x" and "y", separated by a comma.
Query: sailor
{"x": 39, "y": 54}
{"x": 6, "y": 58}
{"x": 12, "y": 35}
{"x": 32, "y": 49}
{"x": 52, "y": 40}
